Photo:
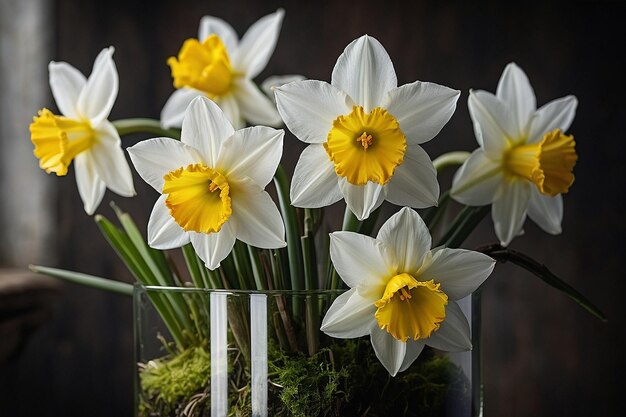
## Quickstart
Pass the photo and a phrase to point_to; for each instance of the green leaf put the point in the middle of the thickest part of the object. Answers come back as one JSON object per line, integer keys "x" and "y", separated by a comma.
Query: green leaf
{"x": 85, "y": 279}
{"x": 520, "y": 259}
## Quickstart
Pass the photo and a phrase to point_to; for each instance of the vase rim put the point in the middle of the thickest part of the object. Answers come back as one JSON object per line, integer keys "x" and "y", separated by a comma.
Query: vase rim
{"x": 147, "y": 288}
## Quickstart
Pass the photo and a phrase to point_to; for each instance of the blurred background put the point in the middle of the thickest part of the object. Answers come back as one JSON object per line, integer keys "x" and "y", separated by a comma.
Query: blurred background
{"x": 65, "y": 349}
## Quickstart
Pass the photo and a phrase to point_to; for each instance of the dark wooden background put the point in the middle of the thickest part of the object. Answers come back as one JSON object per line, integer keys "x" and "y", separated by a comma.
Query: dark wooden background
{"x": 544, "y": 355}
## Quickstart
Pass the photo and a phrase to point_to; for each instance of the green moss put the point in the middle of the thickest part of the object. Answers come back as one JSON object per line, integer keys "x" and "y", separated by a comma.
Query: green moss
{"x": 343, "y": 379}
{"x": 173, "y": 382}
{"x": 306, "y": 386}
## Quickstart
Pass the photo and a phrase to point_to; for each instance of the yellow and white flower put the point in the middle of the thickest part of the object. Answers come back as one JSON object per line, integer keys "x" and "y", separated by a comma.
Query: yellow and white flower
{"x": 525, "y": 159}
{"x": 219, "y": 66}
{"x": 402, "y": 293}
{"x": 364, "y": 133}
{"x": 212, "y": 184}
{"x": 82, "y": 132}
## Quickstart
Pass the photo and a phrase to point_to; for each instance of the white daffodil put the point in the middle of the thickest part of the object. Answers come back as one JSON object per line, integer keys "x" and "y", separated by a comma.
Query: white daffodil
{"x": 364, "y": 133}
{"x": 219, "y": 66}
{"x": 402, "y": 293}
{"x": 212, "y": 184}
{"x": 82, "y": 133}
{"x": 525, "y": 160}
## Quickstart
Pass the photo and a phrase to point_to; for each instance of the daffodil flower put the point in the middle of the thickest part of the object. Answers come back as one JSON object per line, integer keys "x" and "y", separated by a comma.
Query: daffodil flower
{"x": 219, "y": 66}
{"x": 525, "y": 159}
{"x": 364, "y": 133}
{"x": 402, "y": 293}
{"x": 212, "y": 184}
{"x": 82, "y": 132}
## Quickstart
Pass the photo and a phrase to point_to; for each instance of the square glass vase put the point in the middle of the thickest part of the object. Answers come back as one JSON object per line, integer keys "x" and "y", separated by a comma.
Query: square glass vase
{"x": 222, "y": 353}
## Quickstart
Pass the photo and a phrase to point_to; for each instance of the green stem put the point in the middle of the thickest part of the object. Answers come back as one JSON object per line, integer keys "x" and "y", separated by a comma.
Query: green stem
{"x": 311, "y": 306}
{"x": 464, "y": 223}
{"x": 450, "y": 159}
{"x": 350, "y": 224}
{"x": 242, "y": 264}
{"x": 294, "y": 251}
{"x": 210, "y": 277}
{"x": 476, "y": 215}
{"x": 435, "y": 214}
{"x": 192, "y": 265}
{"x": 367, "y": 226}
{"x": 477, "y": 362}
{"x": 257, "y": 269}
{"x": 231, "y": 277}
{"x": 141, "y": 125}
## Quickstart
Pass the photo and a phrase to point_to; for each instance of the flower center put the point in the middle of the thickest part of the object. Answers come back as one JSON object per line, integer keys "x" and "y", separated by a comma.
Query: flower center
{"x": 58, "y": 140}
{"x": 410, "y": 308}
{"x": 198, "y": 198}
{"x": 204, "y": 66}
{"x": 548, "y": 164}
{"x": 366, "y": 146}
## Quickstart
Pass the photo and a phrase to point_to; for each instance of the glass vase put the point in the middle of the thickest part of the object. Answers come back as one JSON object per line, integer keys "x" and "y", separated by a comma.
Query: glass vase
{"x": 225, "y": 353}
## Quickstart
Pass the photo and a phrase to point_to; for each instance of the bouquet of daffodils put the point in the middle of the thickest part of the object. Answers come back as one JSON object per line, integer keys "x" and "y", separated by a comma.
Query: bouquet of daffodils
{"x": 364, "y": 135}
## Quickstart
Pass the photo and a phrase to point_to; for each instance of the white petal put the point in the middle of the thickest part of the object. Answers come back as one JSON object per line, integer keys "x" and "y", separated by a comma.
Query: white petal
{"x": 309, "y": 108}
{"x": 90, "y": 187}
{"x": 362, "y": 262}
{"x": 362, "y": 199}
{"x": 413, "y": 350}
{"x": 230, "y": 107}
{"x": 493, "y": 122}
{"x": 110, "y": 161}
{"x": 257, "y": 44}
{"x": 163, "y": 231}
{"x": 153, "y": 158}
{"x": 252, "y": 152}
{"x": 255, "y": 216}
{"x": 460, "y": 272}
{"x": 214, "y": 247}
{"x": 557, "y": 114}
{"x": 205, "y": 128}
{"x": 349, "y": 316}
{"x": 515, "y": 90}
{"x": 414, "y": 183}
{"x": 365, "y": 71}
{"x": 66, "y": 83}
{"x": 255, "y": 106}
{"x": 546, "y": 211}
{"x": 389, "y": 351}
{"x": 210, "y": 25}
{"x": 409, "y": 237}
{"x": 173, "y": 112}
{"x": 314, "y": 183}
{"x": 509, "y": 210}
{"x": 454, "y": 333}
{"x": 275, "y": 81}
{"x": 422, "y": 109}
{"x": 478, "y": 180}
{"x": 97, "y": 98}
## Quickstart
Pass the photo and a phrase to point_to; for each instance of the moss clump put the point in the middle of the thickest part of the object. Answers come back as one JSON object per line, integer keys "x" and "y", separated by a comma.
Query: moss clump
{"x": 346, "y": 379}
{"x": 306, "y": 386}
{"x": 172, "y": 383}
{"x": 343, "y": 379}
